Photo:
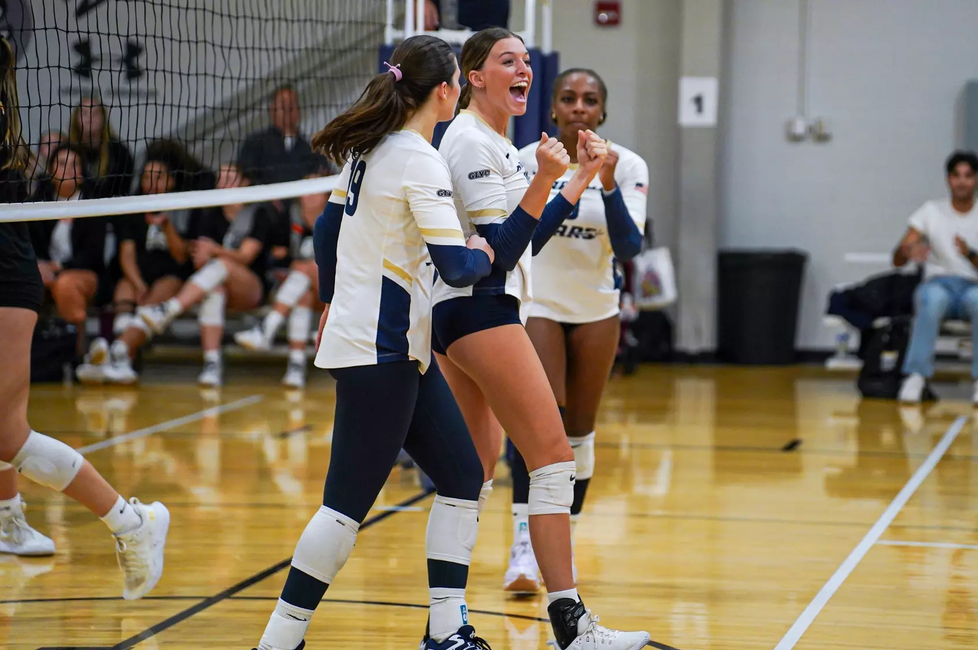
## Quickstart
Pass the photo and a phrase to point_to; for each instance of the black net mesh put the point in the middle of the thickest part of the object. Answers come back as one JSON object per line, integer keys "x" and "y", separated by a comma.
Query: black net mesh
{"x": 190, "y": 81}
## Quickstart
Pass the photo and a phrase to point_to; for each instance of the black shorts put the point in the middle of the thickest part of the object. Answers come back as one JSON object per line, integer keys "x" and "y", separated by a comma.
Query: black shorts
{"x": 458, "y": 317}
{"x": 20, "y": 279}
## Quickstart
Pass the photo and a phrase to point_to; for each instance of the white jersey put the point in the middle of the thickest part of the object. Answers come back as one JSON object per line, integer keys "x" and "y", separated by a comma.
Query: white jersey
{"x": 398, "y": 199}
{"x": 573, "y": 275}
{"x": 489, "y": 182}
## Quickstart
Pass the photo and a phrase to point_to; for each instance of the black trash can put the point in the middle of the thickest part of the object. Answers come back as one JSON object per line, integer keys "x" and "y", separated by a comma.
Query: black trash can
{"x": 758, "y": 295}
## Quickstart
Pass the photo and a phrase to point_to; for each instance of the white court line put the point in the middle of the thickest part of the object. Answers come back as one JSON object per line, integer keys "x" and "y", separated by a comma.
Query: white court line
{"x": 170, "y": 424}
{"x": 896, "y": 542}
{"x": 808, "y": 616}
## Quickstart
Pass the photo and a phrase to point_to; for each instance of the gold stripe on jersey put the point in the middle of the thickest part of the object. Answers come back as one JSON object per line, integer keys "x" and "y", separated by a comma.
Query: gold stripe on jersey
{"x": 398, "y": 271}
{"x": 489, "y": 212}
{"x": 339, "y": 194}
{"x": 442, "y": 233}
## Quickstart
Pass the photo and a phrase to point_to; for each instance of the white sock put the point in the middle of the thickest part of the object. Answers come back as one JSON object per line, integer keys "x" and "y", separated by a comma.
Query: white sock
{"x": 297, "y": 357}
{"x": 286, "y": 628}
{"x": 521, "y": 522}
{"x": 122, "y": 517}
{"x": 557, "y": 595}
{"x": 447, "y": 612}
{"x": 172, "y": 306}
{"x": 270, "y": 325}
{"x": 484, "y": 495}
{"x": 118, "y": 350}
{"x": 212, "y": 356}
{"x": 9, "y": 504}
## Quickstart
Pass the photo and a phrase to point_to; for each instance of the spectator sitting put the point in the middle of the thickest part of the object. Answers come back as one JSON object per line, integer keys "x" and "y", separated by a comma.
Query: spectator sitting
{"x": 70, "y": 252}
{"x": 227, "y": 251}
{"x": 38, "y": 171}
{"x": 107, "y": 162}
{"x": 297, "y": 295}
{"x": 279, "y": 153}
{"x": 155, "y": 260}
{"x": 942, "y": 236}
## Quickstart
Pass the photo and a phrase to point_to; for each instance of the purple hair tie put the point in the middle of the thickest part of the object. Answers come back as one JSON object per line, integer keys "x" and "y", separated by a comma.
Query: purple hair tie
{"x": 396, "y": 69}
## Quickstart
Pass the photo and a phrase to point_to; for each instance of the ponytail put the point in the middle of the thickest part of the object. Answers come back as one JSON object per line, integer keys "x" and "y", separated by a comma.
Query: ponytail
{"x": 14, "y": 153}
{"x": 465, "y": 97}
{"x": 380, "y": 110}
{"x": 420, "y": 64}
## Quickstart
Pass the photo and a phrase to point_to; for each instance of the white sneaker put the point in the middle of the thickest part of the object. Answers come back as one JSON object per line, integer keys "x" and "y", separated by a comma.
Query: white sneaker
{"x": 18, "y": 538}
{"x": 157, "y": 317}
{"x": 92, "y": 371}
{"x": 253, "y": 339}
{"x": 119, "y": 368}
{"x": 912, "y": 389}
{"x": 212, "y": 375}
{"x": 592, "y": 636}
{"x": 522, "y": 576}
{"x": 140, "y": 551}
{"x": 295, "y": 376}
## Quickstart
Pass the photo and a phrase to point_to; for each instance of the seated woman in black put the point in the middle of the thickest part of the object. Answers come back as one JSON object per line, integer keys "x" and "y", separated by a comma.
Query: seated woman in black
{"x": 70, "y": 252}
{"x": 155, "y": 260}
{"x": 227, "y": 248}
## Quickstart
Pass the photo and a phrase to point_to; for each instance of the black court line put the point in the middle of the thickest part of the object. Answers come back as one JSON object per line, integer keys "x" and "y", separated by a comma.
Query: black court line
{"x": 209, "y": 602}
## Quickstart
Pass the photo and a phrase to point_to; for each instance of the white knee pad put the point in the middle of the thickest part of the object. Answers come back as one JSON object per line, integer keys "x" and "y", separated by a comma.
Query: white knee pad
{"x": 143, "y": 326}
{"x": 300, "y": 324}
{"x": 325, "y": 544}
{"x": 212, "y": 309}
{"x": 453, "y": 526}
{"x": 484, "y": 494}
{"x": 47, "y": 461}
{"x": 211, "y": 275}
{"x": 294, "y": 287}
{"x": 552, "y": 489}
{"x": 583, "y": 447}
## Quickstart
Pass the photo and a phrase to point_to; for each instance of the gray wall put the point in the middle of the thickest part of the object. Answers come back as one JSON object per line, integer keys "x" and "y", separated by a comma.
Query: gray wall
{"x": 889, "y": 76}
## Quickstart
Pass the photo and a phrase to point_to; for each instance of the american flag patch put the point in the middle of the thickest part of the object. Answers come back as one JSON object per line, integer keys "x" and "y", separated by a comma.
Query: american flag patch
{"x": 642, "y": 188}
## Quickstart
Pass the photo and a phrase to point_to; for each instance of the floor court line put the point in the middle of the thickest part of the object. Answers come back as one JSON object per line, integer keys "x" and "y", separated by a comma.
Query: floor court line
{"x": 795, "y": 632}
{"x": 896, "y": 542}
{"x": 170, "y": 424}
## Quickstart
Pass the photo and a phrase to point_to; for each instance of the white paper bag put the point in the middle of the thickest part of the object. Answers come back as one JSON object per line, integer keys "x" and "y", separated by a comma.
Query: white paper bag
{"x": 655, "y": 279}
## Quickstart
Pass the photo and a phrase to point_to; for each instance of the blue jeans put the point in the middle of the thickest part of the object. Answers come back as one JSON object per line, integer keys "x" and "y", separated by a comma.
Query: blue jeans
{"x": 946, "y": 297}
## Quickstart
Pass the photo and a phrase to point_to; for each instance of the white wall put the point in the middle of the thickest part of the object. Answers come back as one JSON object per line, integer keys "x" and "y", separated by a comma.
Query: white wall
{"x": 888, "y": 75}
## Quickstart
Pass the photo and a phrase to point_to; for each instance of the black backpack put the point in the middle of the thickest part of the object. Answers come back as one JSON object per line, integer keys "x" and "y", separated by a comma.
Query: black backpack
{"x": 883, "y": 354}
{"x": 52, "y": 348}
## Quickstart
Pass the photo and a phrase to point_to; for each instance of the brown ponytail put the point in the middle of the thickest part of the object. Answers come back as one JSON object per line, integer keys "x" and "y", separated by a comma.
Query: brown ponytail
{"x": 425, "y": 62}
{"x": 14, "y": 153}
{"x": 474, "y": 54}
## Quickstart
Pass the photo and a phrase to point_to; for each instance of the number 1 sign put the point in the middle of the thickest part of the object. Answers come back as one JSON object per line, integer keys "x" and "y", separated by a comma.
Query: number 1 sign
{"x": 698, "y": 101}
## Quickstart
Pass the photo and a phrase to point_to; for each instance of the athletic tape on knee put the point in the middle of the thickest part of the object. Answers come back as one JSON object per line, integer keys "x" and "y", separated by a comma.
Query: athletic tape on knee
{"x": 48, "y": 462}
{"x": 453, "y": 526}
{"x": 294, "y": 287}
{"x": 211, "y": 275}
{"x": 300, "y": 324}
{"x": 325, "y": 544}
{"x": 583, "y": 447}
{"x": 484, "y": 494}
{"x": 552, "y": 489}
{"x": 212, "y": 309}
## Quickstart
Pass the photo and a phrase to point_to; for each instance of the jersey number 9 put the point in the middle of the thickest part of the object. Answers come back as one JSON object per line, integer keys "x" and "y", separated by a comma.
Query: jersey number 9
{"x": 357, "y": 169}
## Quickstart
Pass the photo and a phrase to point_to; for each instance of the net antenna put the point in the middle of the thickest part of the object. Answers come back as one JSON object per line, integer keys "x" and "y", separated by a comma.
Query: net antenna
{"x": 202, "y": 73}
{"x": 414, "y": 24}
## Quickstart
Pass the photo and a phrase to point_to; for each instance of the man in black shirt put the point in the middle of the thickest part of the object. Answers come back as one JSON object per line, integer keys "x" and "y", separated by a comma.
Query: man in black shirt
{"x": 474, "y": 14}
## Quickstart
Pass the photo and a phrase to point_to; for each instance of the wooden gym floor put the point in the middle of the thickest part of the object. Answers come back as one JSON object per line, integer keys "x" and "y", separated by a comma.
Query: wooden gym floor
{"x": 731, "y": 509}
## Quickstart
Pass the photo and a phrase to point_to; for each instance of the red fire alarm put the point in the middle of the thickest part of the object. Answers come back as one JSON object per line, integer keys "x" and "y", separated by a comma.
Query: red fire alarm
{"x": 607, "y": 13}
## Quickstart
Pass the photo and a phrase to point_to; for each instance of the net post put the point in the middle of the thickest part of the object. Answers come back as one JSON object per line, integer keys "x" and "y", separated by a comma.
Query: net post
{"x": 389, "y": 26}
{"x": 420, "y": 16}
{"x": 530, "y": 23}
{"x": 408, "y": 19}
{"x": 546, "y": 36}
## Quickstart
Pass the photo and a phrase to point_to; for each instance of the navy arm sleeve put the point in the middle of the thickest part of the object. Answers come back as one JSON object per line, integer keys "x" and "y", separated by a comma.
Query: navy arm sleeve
{"x": 553, "y": 215}
{"x": 325, "y": 236}
{"x": 459, "y": 266}
{"x": 510, "y": 238}
{"x": 626, "y": 239}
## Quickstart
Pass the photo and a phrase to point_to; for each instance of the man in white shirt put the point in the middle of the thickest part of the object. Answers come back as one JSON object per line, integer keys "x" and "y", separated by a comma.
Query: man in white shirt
{"x": 943, "y": 236}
